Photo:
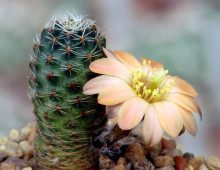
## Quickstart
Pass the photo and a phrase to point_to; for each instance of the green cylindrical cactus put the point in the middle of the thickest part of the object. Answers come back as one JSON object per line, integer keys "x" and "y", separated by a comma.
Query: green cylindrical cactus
{"x": 66, "y": 119}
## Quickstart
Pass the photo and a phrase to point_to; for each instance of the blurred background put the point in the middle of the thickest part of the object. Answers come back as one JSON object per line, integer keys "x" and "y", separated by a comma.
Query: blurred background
{"x": 182, "y": 34}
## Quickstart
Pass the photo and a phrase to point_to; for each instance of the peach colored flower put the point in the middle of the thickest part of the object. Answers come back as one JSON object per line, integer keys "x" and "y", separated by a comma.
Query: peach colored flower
{"x": 141, "y": 90}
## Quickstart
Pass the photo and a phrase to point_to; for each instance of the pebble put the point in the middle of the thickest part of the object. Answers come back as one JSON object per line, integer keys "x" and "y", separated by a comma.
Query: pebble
{"x": 152, "y": 154}
{"x": 188, "y": 156}
{"x": 180, "y": 162}
{"x": 14, "y": 164}
{"x": 154, "y": 151}
{"x": 213, "y": 163}
{"x": 135, "y": 153}
{"x": 145, "y": 165}
{"x": 128, "y": 166}
{"x": 163, "y": 152}
{"x": 3, "y": 140}
{"x": 174, "y": 152}
{"x": 26, "y": 131}
{"x": 157, "y": 147}
{"x": 168, "y": 144}
{"x": 119, "y": 167}
{"x": 105, "y": 162}
{"x": 136, "y": 148}
{"x": 162, "y": 161}
{"x": 12, "y": 149}
{"x": 189, "y": 167}
{"x": 203, "y": 167}
{"x": 32, "y": 162}
{"x": 166, "y": 168}
{"x": 28, "y": 168}
{"x": 196, "y": 162}
{"x": 122, "y": 161}
{"x": 134, "y": 157}
{"x": 180, "y": 147}
{"x": 27, "y": 149}
{"x": 7, "y": 166}
{"x": 3, "y": 156}
{"x": 14, "y": 135}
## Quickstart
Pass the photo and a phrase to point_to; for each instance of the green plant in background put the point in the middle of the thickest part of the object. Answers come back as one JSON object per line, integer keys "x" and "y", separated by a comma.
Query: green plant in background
{"x": 66, "y": 118}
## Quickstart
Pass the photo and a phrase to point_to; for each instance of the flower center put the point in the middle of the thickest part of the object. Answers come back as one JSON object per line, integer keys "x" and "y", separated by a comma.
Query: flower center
{"x": 151, "y": 84}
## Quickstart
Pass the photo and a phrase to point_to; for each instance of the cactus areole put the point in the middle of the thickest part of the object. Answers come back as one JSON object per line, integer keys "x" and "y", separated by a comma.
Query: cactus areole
{"x": 66, "y": 118}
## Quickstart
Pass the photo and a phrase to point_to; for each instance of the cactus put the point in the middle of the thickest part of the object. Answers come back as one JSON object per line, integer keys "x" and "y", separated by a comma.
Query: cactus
{"x": 66, "y": 119}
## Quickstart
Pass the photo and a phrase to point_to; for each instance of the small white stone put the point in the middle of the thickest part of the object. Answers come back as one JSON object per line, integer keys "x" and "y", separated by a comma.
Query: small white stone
{"x": 2, "y": 147}
{"x": 189, "y": 167}
{"x": 12, "y": 149}
{"x": 26, "y": 130}
{"x": 28, "y": 168}
{"x": 196, "y": 162}
{"x": 203, "y": 167}
{"x": 3, "y": 140}
{"x": 180, "y": 147}
{"x": 14, "y": 134}
{"x": 213, "y": 163}
{"x": 27, "y": 149}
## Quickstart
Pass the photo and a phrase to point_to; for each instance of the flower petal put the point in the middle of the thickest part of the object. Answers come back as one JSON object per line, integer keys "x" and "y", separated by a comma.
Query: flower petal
{"x": 187, "y": 102}
{"x": 131, "y": 113}
{"x": 198, "y": 108}
{"x": 109, "y": 54}
{"x": 183, "y": 87}
{"x": 126, "y": 58}
{"x": 111, "y": 67}
{"x": 112, "y": 111}
{"x": 189, "y": 121}
{"x": 115, "y": 94}
{"x": 169, "y": 117}
{"x": 152, "y": 130}
{"x": 96, "y": 84}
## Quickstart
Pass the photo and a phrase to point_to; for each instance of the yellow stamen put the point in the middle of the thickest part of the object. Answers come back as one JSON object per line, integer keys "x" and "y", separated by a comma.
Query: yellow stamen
{"x": 152, "y": 79}
{"x": 158, "y": 96}
{"x": 141, "y": 83}
{"x": 167, "y": 90}
{"x": 150, "y": 85}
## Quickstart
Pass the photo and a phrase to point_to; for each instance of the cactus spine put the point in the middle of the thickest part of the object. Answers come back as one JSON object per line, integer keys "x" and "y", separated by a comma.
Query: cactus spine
{"x": 65, "y": 117}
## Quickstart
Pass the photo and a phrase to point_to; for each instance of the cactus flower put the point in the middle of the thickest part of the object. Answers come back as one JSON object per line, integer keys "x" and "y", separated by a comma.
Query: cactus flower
{"x": 137, "y": 91}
